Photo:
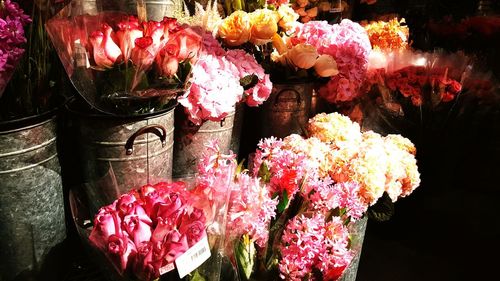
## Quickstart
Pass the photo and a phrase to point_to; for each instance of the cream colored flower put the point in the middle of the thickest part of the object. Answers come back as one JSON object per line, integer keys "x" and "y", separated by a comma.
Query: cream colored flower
{"x": 264, "y": 25}
{"x": 326, "y": 66}
{"x": 236, "y": 28}
{"x": 287, "y": 17}
{"x": 303, "y": 56}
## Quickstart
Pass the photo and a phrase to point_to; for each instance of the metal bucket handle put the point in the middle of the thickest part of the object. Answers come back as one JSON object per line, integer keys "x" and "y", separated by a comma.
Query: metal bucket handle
{"x": 297, "y": 94}
{"x": 158, "y": 130}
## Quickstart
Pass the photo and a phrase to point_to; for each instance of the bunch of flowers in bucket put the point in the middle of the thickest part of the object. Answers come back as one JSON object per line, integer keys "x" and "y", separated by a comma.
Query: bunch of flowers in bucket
{"x": 263, "y": 32}
{"x": 293, "y": 215}
{"x": 128, "y": 64}
{"x": 408, "y": 89}
{"x": 168, "y": 230}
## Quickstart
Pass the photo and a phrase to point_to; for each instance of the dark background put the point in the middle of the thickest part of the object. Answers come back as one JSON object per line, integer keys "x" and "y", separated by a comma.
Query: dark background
{"x": 449, "y": 228}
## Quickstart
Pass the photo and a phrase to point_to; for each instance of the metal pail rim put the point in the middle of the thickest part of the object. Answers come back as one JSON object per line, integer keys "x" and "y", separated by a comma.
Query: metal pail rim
{"x": 94, "y": 114}
{"x": 20, "y": 124}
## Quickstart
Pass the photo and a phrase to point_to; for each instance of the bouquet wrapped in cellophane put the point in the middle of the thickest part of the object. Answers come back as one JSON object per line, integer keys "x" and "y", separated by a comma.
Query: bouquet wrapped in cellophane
{"x": 411, "y": 92}
{"x": 162, "y": 231}
{"x": 121, "y": 56}
{"x": 293, "y": 215}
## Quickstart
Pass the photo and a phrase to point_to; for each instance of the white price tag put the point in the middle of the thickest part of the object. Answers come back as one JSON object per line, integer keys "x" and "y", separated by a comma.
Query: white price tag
{"x": 167, "y": 268}
{"x": 193, "y": 257}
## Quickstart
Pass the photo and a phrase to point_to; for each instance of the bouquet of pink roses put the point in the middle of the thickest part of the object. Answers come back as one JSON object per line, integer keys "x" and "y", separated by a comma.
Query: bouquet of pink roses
{"x": 146, "y": 232}
{"x": 121, "y": 63}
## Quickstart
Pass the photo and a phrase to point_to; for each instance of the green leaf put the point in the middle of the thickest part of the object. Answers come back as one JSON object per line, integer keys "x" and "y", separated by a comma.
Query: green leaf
{"x": 245, "y": 255}
{"x": 240, "y": 167}
{"x": 283, "y": 202}
{"x": 249, "y": 81}
{"x": 264, "y": 173}
{"x": 196, "y": 276}
{"x": 382, "y": 210}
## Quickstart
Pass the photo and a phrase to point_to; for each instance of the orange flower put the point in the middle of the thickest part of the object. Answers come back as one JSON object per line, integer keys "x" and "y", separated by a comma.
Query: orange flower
{"x": 235, "y": 29}
{"x": 264, "y": 24}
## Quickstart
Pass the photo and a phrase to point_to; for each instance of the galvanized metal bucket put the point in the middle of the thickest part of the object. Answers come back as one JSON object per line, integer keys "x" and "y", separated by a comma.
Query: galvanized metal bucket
{"x": 126, "y": 153}
{"x": 31, "y": 198}
{"x": 190, "y": 141}
{"x": 157, "y": 9}
{"x": 287, "y": 110}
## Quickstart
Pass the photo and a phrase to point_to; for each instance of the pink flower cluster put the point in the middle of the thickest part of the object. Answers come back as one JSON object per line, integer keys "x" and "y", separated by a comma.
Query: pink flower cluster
{"x": 215, "y": 83}
{"x": 145, "y": 230}
{"x": 310, "y": 243}
{"x": 12, "y": 39}
{"x": 166, "y": 42}
{"x": 251, "y": 209}
{"x": 349, "y": 45}
{"x": 286, "y": 168}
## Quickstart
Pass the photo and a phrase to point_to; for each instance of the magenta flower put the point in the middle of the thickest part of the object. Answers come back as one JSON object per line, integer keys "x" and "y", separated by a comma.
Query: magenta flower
{"x": 147, "y": 229}
{"x": 12, "y": 39}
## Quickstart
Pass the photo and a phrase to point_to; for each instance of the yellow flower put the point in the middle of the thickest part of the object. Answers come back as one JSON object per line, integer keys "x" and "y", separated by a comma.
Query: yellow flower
{"x": 235, "y": 29}
{"x": 303, "y": 56}
{"x": 287, "y": 17}
{"x": 326, "y": 66}
{"x": 264, "y": 24}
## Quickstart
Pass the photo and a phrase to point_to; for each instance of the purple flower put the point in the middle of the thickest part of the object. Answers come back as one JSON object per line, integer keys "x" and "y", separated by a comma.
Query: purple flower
{"x": 15, "y": 12}
{"x": 12, "y": 21}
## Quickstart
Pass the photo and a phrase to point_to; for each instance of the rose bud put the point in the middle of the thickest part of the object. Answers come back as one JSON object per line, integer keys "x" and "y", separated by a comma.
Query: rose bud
{"x": 120, "y": 249}
{"x": 126, "y": 35}
{"x": 106, "y": 223}
{"x": 105, "y": 50}
{"x": 139, "y": 230}
{"x": 326, "y": 66}
{"x": 142, "y": 55}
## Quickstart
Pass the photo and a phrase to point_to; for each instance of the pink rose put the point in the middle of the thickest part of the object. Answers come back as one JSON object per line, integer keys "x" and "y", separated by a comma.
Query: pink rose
{"x": 142, "y": 55}
{"x": 174, "y": 245}
{"x": 105, "y": 50}
{"x": 193, "y": 226}
{"x": 138, "y": 229}
{"x": 170, "y": 209}
{"x": 129, "y": 30}
{"x": 145, "y": 267}
{"x": 106, "y": 223}
{"x": 121, "y": 251}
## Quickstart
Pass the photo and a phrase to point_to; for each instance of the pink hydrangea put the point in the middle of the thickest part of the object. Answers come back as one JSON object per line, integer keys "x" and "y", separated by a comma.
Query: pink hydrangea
{"x": 247, "y": 65}
{"x": 349, "y": 45}
{"x": 250, "y": 210}
{"x": 214, "y": 90}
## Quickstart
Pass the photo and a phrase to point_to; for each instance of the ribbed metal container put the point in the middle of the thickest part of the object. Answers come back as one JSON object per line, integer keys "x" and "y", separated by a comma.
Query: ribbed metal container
{"x": 157, "y": 9}
{"x": 190, "y": 141}
{"x": 119, "y": 154}
{"x": 286, "y": 111}
{"x": 31, "y": 198}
